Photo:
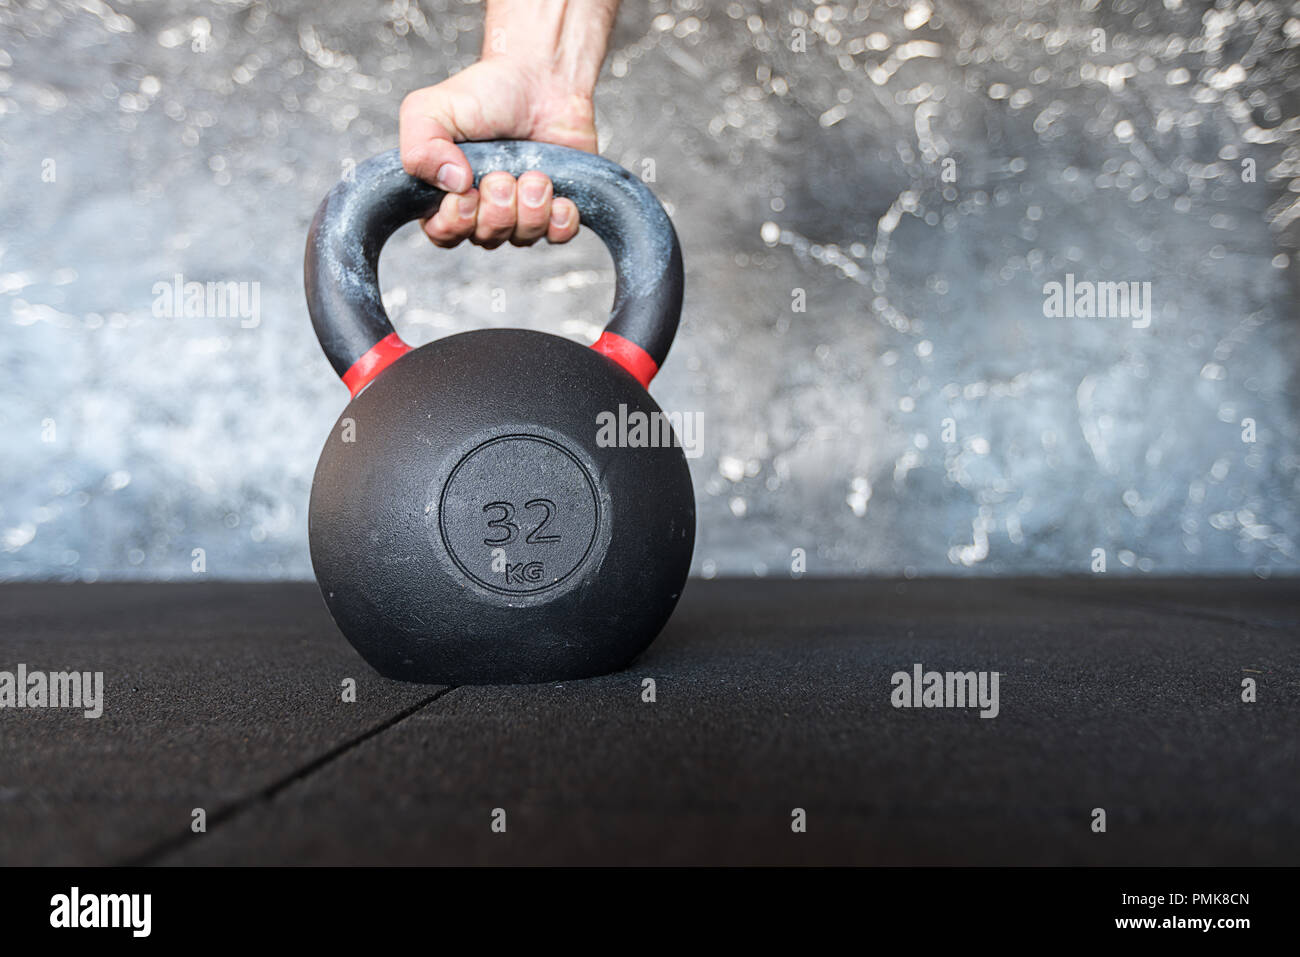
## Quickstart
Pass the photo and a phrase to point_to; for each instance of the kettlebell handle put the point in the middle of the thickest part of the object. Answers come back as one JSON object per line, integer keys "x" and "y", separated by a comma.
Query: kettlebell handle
{"x": 363, "y": 210}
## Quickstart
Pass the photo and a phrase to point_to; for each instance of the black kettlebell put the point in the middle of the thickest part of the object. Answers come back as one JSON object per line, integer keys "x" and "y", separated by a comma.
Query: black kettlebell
{"x": 467, "y": 526}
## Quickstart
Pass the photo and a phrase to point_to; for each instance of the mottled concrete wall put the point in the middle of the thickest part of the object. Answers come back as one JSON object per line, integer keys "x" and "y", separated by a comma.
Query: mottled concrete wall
{"x": 871, "y": 199}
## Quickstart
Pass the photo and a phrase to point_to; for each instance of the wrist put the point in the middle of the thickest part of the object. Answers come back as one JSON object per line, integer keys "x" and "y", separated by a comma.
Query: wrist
{"x": 558, "y": 44}
{"x": 548, "y": 76}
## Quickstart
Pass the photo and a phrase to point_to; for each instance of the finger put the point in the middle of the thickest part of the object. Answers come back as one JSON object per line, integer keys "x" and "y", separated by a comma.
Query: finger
{"x": 533, "y": 206}
{"x": 426, "y": 145}
{"x": 454, "y": 220}
{"x": 564, "y": 221}
{"x": 496, "y": 210}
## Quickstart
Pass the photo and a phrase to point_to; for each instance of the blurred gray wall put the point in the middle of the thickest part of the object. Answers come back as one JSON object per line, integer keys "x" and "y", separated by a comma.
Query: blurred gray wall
{"x": 911, "y": 174}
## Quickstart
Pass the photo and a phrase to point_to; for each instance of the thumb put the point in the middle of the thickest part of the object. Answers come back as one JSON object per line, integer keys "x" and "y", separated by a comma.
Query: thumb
{"x": 427, "y": 147}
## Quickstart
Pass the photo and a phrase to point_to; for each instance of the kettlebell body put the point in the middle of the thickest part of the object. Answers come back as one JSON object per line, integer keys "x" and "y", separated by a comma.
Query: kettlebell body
{"x": 470, "y": 520}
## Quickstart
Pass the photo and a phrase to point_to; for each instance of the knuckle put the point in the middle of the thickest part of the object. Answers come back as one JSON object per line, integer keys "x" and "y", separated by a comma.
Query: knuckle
{"x": 531, "y": 225}
{"x": 438, "y": 232}
{"x": 442, "y": 227}
{"x": 495, "y": 224}
{"x": 444, "y": 238}
{"x": 411, "y": 102}
{"x": 529, "y": 229}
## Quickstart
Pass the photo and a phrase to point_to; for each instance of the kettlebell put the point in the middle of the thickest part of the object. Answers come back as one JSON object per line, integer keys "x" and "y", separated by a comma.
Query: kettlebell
{"x": 468, "y": 522}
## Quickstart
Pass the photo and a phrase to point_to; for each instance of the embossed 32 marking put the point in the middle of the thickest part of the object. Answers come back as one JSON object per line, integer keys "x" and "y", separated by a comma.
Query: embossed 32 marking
{"x": 510, "y": 531}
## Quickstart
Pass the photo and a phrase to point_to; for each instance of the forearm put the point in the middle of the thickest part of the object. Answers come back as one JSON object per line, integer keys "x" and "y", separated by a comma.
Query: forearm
{"x": 561, "y": 43}
{"x": 535, "y": 81}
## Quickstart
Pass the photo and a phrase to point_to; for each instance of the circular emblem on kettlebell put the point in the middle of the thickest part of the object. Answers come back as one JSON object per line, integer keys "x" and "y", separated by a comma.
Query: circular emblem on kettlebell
{"x": 519, "y": 514}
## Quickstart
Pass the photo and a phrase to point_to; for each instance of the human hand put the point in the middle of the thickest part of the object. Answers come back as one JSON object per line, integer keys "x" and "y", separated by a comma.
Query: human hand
{"x": 496, "y": 98}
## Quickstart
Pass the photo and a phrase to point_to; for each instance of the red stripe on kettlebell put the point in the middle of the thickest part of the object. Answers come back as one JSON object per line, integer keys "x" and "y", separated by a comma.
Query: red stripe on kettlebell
{"x": 381, "y": 355}
{"x": 627, "y": 354}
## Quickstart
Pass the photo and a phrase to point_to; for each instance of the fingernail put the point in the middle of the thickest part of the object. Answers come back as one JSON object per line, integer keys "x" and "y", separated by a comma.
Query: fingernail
{"x": 466, "y": 205}
{"x": 532, "y": 192}
{"x": 500, "y": 191}
{"x": 452, "y": 178}
{"x": 560, "y": 215}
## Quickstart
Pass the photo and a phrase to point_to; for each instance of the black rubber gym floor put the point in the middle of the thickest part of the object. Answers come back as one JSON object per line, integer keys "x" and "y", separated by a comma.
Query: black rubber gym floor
{"x": 1124, "y": 695}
